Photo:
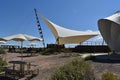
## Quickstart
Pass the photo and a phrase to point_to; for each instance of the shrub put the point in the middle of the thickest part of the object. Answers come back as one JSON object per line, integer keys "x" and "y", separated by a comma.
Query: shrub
{"x": 109, "y": 76}
{"x": 74, "y": 70}
{"x": 2, "y": 64}
{"x": 66, "y": 50}
{"x": 50, "y": 51}
{"x": 2, "y": 51}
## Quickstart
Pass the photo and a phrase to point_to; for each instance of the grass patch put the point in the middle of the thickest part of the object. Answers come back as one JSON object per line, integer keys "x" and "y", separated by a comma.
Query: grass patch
{"x": 2, "y": 51}
{"x": 2, "y": 64}
{"x": 73, "y": 54}
{"x": 109, "y": 76}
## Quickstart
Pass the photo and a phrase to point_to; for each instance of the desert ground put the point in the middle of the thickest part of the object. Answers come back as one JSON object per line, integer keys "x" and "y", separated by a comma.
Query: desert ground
{"x": 47, "y": 64}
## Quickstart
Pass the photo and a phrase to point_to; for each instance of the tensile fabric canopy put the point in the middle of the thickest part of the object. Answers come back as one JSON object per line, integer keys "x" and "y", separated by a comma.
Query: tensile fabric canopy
{"x": 110, "y": 30}
{"x": 68, "y": 36}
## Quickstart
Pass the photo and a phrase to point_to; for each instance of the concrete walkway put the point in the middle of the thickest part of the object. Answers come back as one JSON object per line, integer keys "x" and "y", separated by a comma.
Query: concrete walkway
{"x": 94, "y": 54}
{"x": 102, "y": 56}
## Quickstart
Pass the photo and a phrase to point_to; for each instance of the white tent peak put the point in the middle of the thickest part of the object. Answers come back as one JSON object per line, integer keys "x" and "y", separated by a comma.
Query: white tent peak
{"x": 66, "y": 36}
{"x": 64, "y": 32}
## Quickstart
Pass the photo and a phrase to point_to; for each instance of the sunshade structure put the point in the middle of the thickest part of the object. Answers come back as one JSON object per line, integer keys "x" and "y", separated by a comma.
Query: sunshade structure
{"x": 2, "y": 42}
{"x": 21, "y": 38}
{"x": 67, "y": 36}
{"x": 110, "y": 30}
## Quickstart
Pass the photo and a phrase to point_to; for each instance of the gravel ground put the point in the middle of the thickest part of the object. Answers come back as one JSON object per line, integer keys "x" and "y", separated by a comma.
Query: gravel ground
{"x": 101, "y": 66}
{"x": 49, "y": 63}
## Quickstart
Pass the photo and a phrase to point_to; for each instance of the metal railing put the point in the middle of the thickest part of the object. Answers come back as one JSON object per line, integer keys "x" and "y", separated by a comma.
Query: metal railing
{"x": 93, "y": 43}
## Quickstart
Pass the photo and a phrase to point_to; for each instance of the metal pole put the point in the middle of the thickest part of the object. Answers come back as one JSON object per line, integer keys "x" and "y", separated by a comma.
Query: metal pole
{"x": 21, "y": 50}
{"x": 39, "y": 27}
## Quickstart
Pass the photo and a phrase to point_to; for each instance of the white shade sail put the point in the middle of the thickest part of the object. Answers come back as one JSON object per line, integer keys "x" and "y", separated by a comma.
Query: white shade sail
{"x": 2, "y": 42}
{"x": 21, "y": 37}
{"x": 67, "y": 36}
{"x": 110, "y": 30}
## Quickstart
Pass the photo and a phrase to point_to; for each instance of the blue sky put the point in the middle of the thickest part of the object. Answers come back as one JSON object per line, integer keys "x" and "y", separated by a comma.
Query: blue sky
{"x": 17, "y": 16}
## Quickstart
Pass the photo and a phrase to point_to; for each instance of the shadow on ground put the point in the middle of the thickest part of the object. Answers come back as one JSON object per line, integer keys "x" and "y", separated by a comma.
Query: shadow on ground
{"x": 6, "y": 78}
{"x": 107, "y": 58}
{"x": 27, "y": 56}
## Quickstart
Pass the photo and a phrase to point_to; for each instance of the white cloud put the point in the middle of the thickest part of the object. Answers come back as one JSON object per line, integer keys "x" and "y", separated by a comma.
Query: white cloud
{"x": 92, "y": 31}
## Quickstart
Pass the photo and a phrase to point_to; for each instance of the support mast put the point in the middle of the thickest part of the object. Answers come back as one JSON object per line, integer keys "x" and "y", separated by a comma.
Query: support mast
{"x": 39, "y": 27}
